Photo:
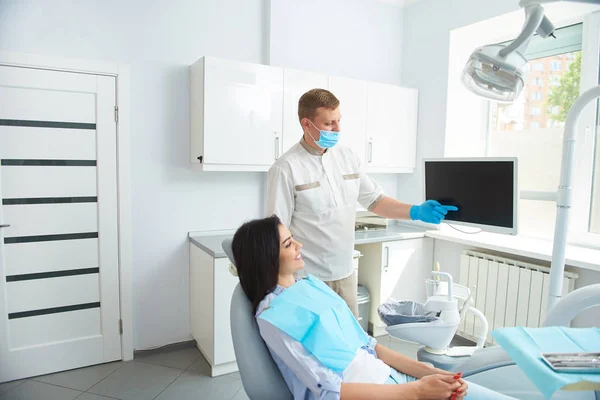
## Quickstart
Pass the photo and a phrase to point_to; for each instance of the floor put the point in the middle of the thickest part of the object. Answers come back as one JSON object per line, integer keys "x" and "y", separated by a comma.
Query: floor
{"x": 167, "y": 374}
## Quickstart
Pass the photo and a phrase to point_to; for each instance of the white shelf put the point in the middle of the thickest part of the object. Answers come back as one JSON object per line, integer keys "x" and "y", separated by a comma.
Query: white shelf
{"x": 580, "y": 257}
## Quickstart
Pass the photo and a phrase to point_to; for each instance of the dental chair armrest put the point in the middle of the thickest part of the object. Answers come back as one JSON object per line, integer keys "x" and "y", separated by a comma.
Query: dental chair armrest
{"x": 484, "y": 360}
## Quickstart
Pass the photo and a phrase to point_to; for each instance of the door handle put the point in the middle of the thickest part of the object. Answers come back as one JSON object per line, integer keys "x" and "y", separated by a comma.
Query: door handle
{"x": 370, "y": 157}
{"x": 276, "y": 145}
{"x": 4, "y": 225}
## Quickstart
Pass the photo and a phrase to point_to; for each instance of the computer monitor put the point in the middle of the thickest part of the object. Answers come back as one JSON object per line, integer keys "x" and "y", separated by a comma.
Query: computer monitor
{"x": 485, "y": 190}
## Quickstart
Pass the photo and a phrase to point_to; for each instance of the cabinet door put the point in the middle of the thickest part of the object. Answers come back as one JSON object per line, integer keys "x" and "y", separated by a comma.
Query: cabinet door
{"x": 225, "y": 283}
{"x": 353, "y": 107}
{"x": 242, "y": 110}
{"x": 295, "y": 84}
{"x": 405, "y": 266}
{"x": 391, "y": 126}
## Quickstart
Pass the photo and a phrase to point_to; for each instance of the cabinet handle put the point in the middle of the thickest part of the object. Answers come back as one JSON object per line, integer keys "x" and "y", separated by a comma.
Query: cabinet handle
{"x": 276, "y": 145}
{"x": 4, "y": 225}
{"x": 370, "y": 157}
{"x": 387, "y": 258}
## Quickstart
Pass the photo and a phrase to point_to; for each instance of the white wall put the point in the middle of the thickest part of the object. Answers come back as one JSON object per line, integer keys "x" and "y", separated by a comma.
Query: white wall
{"x": 359, "y": 39}
{"x": 426, "y": 45}
{"x": 159, "y": 40}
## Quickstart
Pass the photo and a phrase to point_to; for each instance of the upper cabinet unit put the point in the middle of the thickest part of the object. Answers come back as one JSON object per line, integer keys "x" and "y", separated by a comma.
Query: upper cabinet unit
{"x": 244, "y": 116}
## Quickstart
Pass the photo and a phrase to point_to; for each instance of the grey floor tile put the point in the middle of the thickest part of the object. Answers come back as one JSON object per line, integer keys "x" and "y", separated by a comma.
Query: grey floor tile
{"x": 81, "y": 379}
{"x": 136, "y": 380}
{"x": 194, "y": 385}
{"x": 384, "y": 340}
{"x": 405, "y": 348}
{"x": 201, "y": 365}
{"x": 32, "y": 390}
{"x": 8, "y": 386}
{"x": 181, "y": 359}
{"x": 241, "y": 395}
{"x": 90, "y": 396}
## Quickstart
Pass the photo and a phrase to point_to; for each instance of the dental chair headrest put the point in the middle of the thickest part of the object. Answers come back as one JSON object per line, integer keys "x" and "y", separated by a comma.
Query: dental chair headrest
{"x": 226, "y": 244}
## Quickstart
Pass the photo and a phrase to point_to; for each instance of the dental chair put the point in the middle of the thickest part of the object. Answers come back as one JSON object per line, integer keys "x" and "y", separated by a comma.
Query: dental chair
{"x": 491, "y": 367}
{"x": 260, "y": 376}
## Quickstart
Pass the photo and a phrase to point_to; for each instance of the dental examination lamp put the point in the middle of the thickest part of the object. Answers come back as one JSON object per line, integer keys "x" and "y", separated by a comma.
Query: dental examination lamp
{"x": 498, "y": 73}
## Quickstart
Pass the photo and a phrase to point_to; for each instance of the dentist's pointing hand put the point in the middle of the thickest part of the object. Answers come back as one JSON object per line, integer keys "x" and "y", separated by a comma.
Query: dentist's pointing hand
{"x": 431, "y": 212}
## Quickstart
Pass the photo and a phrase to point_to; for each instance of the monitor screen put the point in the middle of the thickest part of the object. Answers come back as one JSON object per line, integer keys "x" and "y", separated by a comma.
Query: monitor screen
{"x": 484, "y": 190}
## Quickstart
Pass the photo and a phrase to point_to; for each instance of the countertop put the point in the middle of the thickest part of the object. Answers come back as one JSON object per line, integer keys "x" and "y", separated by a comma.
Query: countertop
{"x": 211, "y": 243}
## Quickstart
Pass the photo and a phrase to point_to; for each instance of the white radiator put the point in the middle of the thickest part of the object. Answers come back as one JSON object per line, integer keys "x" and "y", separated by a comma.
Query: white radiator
{"x": 509, "y": 292}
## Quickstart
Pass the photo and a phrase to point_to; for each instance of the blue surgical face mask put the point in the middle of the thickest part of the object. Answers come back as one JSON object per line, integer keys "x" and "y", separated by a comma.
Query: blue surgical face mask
{"x": 327, "y": 139}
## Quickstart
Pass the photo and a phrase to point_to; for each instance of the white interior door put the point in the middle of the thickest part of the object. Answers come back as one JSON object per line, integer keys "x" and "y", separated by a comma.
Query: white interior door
{"x": 352, "y": 95}
{"x": 59, "y": 287}
{"x": 295, "y": 84}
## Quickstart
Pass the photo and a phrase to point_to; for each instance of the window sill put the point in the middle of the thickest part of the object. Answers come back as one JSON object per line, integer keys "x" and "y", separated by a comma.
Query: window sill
{"x": 580, "y": 257}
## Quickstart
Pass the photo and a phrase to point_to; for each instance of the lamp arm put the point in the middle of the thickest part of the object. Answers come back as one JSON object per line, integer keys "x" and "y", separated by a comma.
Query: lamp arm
{"x": 563, "y": 201}
{"x": 535, "y": 21}
{"x": 526, "y": 3}
{"x": 534, "y": 15}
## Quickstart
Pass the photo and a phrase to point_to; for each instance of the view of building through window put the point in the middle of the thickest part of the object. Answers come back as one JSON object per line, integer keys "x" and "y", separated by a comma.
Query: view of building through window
{"x": 551, "y": 88}
{"x": 532, "y": 128}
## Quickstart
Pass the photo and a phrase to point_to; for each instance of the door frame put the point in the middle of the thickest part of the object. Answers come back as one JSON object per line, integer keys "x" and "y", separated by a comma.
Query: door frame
{"x": 122, "y": 78}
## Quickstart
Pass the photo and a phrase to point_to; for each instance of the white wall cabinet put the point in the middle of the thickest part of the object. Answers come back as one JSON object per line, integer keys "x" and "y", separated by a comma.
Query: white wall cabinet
{"x": 394, "y": 269}
{"x": 352, "y": 94}
{"x": 236, "y": 119}
{"x": 211, "y": 289}
{"x": 295, "y": 84}
{"x": 244, "y": 116}
{"x": 391, "y": 128}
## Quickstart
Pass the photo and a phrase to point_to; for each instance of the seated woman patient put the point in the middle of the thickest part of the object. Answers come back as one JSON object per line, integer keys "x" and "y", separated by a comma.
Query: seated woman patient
{"x": 316, "y": 342}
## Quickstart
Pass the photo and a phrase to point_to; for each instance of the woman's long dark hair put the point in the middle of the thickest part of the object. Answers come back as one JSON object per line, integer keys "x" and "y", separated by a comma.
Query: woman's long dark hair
{"x": 255, "y": 249}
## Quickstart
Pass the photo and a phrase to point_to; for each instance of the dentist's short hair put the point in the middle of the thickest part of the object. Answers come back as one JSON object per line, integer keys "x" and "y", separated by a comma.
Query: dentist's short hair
{"x": 314, "y": 99}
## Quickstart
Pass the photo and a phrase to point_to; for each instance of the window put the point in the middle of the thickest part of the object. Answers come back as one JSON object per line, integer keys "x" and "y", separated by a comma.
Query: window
{"x": 538, "y": 66}
{"x": 532, "y": 127}
{"x": 594, "y": 226}
{"x": 554, "y": 80}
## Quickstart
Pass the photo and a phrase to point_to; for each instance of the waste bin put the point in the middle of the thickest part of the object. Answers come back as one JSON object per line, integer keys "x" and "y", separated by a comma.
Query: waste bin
{"x": 364, "y": 301}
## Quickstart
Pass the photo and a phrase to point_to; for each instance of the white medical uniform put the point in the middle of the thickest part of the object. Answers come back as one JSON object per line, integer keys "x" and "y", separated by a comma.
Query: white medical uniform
{"x": 315, "y": 196}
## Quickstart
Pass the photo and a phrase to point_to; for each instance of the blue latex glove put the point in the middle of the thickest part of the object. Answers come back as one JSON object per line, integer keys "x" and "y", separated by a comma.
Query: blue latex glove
{"x": 431, "y": 212}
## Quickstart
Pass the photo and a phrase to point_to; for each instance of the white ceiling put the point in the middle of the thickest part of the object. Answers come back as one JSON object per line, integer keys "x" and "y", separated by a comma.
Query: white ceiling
{"x": 398, "y": 3}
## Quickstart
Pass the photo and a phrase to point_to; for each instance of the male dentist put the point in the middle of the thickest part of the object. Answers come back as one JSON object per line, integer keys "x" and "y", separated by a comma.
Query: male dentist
{"x": 313, "y": 188}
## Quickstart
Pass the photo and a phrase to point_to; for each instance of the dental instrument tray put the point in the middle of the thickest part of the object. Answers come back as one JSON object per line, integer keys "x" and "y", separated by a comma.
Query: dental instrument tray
{"x": 573, "y": 362}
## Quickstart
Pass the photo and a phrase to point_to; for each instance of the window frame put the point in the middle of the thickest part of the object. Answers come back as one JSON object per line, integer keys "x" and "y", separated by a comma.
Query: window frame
{"x": 588, "y": 128}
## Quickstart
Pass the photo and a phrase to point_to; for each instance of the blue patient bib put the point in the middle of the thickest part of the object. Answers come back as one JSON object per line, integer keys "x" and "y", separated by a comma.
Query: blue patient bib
{"x": 313, "y": 314}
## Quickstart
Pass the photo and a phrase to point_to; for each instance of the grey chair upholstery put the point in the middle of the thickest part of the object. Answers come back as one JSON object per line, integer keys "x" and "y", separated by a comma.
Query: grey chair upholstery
{"x": 260, "y": 376}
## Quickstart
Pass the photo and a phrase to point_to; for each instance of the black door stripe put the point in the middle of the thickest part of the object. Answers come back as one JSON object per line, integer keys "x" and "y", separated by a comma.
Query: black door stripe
{"x": 55, "y": 310}
{"x": 49, "y": 200}
{"x": 46, "y": 124}
{"x": 48, "y": 163}
{"x": 49, "y": 238}
{"x": 52, "y": 274}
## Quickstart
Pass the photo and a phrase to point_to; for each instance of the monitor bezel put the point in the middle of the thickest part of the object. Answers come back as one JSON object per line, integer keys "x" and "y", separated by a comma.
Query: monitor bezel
{"x": 488, "y": 228}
